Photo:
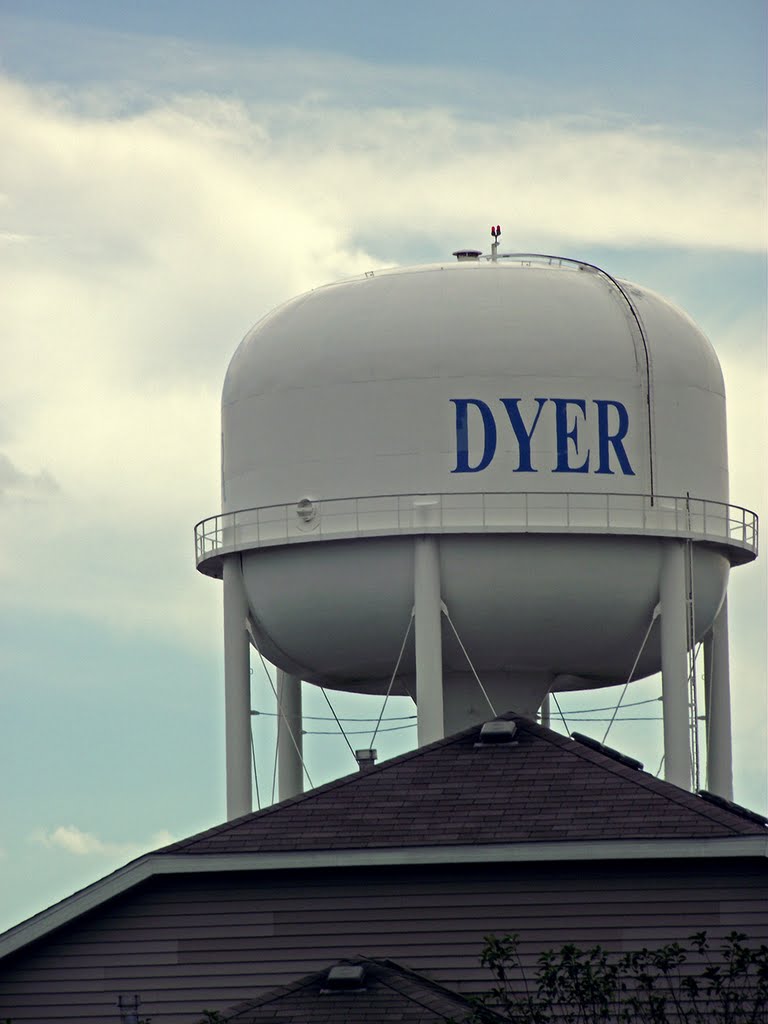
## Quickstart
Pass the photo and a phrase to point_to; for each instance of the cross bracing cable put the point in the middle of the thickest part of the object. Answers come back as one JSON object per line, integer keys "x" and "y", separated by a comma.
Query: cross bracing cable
{"x": 341, "y": 727}
{"x": 357, "y": 732}
{"x": 632, "y": 704}
{"x": 654, "y": 616}
{"x": 344, "y": 718}
{"x": 290, "y": 731}
{"x": 643, "y": 718}
{"x": 274, "y": 767}
{"x": 560, "y": 712}
{"x": 412, "y": 725}
{"x": 391, "y": 681}
{"x": 412, "y": 718}
{"x": 469, "y": 660}
{"x": 255, "y": 774}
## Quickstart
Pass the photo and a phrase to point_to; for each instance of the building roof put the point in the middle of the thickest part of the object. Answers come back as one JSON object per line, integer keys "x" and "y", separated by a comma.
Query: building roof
{"x": 543, "y": 787}
{"x": 388, "y": 992}
{"x": 543, "y": 797}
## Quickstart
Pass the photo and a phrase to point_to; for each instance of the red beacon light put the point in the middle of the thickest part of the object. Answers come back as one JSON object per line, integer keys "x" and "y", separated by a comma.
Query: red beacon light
{"x": 495, "y": 234}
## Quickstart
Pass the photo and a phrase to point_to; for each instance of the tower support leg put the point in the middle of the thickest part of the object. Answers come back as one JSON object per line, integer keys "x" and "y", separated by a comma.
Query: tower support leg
{"x": 237, "y": 692}
{"x": 290, "y": 748}
{"x": 717, "y": 693}
{"x": 429, "y": 645}
{"x": 674, "y": 666}
{"x": 546, "y": 712}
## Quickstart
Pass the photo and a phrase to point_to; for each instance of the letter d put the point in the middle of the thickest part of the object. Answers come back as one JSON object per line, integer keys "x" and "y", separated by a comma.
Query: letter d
{"x": 462, "y": 435}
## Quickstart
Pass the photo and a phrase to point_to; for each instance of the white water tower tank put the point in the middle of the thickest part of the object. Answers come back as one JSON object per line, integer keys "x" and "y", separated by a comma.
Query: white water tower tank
{"x": 554, "y": 433}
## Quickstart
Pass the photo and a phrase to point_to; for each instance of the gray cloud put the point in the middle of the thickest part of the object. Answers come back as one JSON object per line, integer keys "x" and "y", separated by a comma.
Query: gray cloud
{"x": 16, "y": 484}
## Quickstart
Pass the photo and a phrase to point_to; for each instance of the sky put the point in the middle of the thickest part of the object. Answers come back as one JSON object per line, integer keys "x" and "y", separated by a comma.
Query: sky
{"x": 169, "y": 173}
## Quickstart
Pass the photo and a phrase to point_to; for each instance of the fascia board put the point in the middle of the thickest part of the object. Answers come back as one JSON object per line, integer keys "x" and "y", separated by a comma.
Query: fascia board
{"x": 740, "y": 846}
{"x": 77, "y": 904}
{"x": 157, "y": 864}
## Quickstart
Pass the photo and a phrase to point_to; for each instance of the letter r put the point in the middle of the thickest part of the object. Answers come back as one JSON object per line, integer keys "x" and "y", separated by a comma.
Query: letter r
{"x": 607, "y": 441}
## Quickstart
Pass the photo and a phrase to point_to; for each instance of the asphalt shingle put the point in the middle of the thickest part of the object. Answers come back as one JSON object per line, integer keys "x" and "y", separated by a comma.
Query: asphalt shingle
{"x": 544, "y": 787}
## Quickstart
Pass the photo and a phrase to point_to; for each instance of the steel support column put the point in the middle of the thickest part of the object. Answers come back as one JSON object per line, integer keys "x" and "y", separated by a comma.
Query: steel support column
{"x": 428, "y": 636}
{"x": 674, "y": 665}
{"x": 717, "y": 693}
{"x": 546, "y": 713}
{"x": 290, "y": 748}
{"x": 237, "y": 691}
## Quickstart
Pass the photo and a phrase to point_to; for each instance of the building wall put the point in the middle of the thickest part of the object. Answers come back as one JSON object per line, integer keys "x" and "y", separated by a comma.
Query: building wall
{"x": 186, "y": 943}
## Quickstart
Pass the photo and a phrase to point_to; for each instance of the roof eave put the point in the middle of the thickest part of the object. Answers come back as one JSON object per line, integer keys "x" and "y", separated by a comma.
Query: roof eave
{"x": 153, "y": 865}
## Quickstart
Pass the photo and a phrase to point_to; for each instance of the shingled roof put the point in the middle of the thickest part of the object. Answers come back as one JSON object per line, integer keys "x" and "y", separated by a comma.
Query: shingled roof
{"x": 542, "y": 797}
{"x": 543, "y": 787}
{"x": 388, "y": 992}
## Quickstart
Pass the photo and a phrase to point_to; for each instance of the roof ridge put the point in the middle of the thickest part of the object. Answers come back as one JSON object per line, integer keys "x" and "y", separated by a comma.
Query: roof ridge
{"x": 381, "y": 968}
{"x": 668, "y": 790}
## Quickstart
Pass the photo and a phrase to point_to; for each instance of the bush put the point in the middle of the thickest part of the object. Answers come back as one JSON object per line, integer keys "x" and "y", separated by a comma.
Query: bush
{"x": 676, "y": 984}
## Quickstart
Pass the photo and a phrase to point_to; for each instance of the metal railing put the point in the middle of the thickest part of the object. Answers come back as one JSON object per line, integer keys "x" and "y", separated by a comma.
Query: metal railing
{"x": 716, "y": 522}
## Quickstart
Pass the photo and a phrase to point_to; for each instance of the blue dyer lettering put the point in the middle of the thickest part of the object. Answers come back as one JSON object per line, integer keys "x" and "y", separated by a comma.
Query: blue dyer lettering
{"x": 569, "y": 417}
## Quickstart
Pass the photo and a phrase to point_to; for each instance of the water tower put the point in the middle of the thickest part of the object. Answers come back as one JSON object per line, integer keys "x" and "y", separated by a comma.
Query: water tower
{"x": 478, "y": 481}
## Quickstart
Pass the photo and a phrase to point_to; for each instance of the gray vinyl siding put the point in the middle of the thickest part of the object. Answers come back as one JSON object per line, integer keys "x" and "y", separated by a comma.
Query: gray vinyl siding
{"x": 190, "y": 942}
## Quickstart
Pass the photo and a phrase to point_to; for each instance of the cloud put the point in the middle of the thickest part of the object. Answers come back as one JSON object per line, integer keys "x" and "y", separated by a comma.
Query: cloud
{"x": 15, "y": 483}
{"x": 145, "y": 242}
{"x": 74, "y": 840}
{"x": 83, "y": 844}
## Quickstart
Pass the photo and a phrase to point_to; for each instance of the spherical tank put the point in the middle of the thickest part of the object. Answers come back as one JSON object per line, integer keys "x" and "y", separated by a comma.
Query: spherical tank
{"x": 552, "y": 426}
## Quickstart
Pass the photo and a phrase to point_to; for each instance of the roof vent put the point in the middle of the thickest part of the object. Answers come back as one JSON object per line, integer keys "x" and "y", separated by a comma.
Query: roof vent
{"x": 615, "y": 755}
{"x": 344, "y": 978}
{"x": 496, "y": 732}
{"x": 467, "y": 254}
{"x": 729, "y": 805}
{"x": 366, "y": 758}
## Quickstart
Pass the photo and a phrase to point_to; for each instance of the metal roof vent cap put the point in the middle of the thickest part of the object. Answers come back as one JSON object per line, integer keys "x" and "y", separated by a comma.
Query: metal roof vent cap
{"x": 366, "y": 758}
{"x": 467, "y": 254}
{"x": 344, "y": 978}
{"x": 494, "y": 733}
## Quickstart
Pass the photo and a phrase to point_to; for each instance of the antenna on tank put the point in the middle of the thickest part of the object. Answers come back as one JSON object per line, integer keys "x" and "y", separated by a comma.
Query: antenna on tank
{"x": 495, "y": 235}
